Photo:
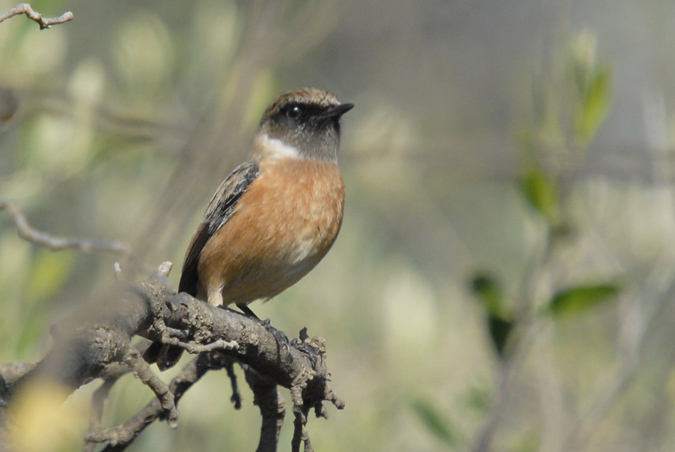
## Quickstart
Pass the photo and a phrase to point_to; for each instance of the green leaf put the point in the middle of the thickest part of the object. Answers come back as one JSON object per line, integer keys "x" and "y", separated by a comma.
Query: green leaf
{"x": 500, "y": 332}
{"x": 436, "y": 423}
{"x": 595, "y": 103}
{"x": 580, "y": 298}
{"x": 499, "y": 323}
{"x": 489, "y": 292}
{"x": 541, "y": 191}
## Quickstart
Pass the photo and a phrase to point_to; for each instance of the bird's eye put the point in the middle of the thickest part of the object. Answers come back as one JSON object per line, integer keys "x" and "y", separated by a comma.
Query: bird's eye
{"x": 294, "y": 112}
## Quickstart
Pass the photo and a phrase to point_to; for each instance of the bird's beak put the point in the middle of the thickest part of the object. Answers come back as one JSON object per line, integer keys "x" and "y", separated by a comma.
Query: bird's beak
{"x": 337, "y": 111}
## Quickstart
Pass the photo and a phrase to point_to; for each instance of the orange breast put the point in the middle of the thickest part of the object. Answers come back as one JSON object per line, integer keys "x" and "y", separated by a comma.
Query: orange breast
{"x": 281, "y": 228}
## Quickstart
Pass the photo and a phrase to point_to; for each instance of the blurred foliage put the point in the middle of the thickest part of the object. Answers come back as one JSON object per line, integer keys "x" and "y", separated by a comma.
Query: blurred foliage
{"x": 499, "y": 315}
{"x": 437, "y": 424}
{"x": 541, "y": 191}
{"x": 580, "y": 298}
{"x": 42, "y": 423}
{"x": 593, "y": 82}
{"x": 490, "y": 292}
{"x": 123, "y": 122}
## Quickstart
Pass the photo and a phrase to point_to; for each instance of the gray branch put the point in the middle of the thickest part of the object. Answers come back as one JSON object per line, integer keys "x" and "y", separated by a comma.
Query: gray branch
{"x": 28, "y": 233}
{"x": 96, "y": 344}
{"x": 44, "y": 22}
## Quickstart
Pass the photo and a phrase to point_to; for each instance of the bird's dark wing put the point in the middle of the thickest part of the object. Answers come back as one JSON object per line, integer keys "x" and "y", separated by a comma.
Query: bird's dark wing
{"x": 218, "y": 211}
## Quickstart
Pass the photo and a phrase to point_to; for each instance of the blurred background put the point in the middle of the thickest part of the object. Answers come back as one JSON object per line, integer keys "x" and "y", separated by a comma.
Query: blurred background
{"x": 505, "y": 272}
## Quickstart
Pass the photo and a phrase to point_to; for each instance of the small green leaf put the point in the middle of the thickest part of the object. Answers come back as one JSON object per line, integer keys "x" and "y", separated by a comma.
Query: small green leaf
{"x": 594, "y": 105}
{"x": 500, "y": 332}
{"x": 541, "y": 191}
{"x": 489, "y": 292}
{"x": 582, "y": 59}
{"x": 580, "y": 298}
{"x": 436, "y": 423}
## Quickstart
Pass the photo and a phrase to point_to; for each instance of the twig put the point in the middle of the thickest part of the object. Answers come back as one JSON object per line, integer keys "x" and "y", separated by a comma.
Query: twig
{"x": 272, "y": 408}
{"x": 524, "y": 336}
{"x": 194, "y": 348}
{"x": 300, "y": 433}
{"x": 27, "y": 232}
{"x": 304, "y": 399}
{"x": 631, "y": 361}
{"x": 98, "y": 400}
{"x": 236, "y": 395}
{"x": 120, "y": 437}
{"x": 142, "y": 370}
{"x": 44, "y": 22}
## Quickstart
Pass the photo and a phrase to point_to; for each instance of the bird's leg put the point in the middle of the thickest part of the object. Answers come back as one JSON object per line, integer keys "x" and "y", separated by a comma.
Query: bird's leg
{"x": 247, "y": 311}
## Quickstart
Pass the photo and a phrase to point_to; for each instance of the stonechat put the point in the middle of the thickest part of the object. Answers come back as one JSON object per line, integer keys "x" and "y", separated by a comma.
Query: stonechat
{"x": 275, "y": 216}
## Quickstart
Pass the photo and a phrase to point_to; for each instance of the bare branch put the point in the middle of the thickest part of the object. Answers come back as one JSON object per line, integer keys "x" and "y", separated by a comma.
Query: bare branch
{"x": 300, "y": 433}
{"x": 98, "y": 400}
{"x": 44, "y": 22}
{"x": 194, "y": 348}
{"x": 27, "y": 232}
{"x": 236, "y": 395}
{"x": 272, "y": 408}
{"x": 142, "y": 370}
{"x": 96, "y": 342}
{"x": 120, "y": 437}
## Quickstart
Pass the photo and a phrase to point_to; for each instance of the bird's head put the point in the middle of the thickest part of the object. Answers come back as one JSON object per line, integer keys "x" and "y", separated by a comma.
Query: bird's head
{"x": 303, "y": 123}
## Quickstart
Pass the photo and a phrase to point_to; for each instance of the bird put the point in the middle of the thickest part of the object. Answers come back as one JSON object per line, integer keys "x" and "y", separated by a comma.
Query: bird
{"x": 275, "y": 216}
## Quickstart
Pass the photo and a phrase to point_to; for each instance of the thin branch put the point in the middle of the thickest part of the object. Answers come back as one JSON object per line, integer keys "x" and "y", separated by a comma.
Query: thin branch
{"x": 305, "y": 398}
{"x": 142, "y": 370}
{"x": 272, "y": 408}
{"x": 524, "y": 336}
{"x": 194, "y": 348}
{"x": 44, "y": 22}
{"x": 236, "y": 395}
{"x": 120, "y": 437}
{"x": 300, "y": 433}
{"x": 98, "y": 401}
{"x": 627, "y": 370}
{"x": 28, "y": 233}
